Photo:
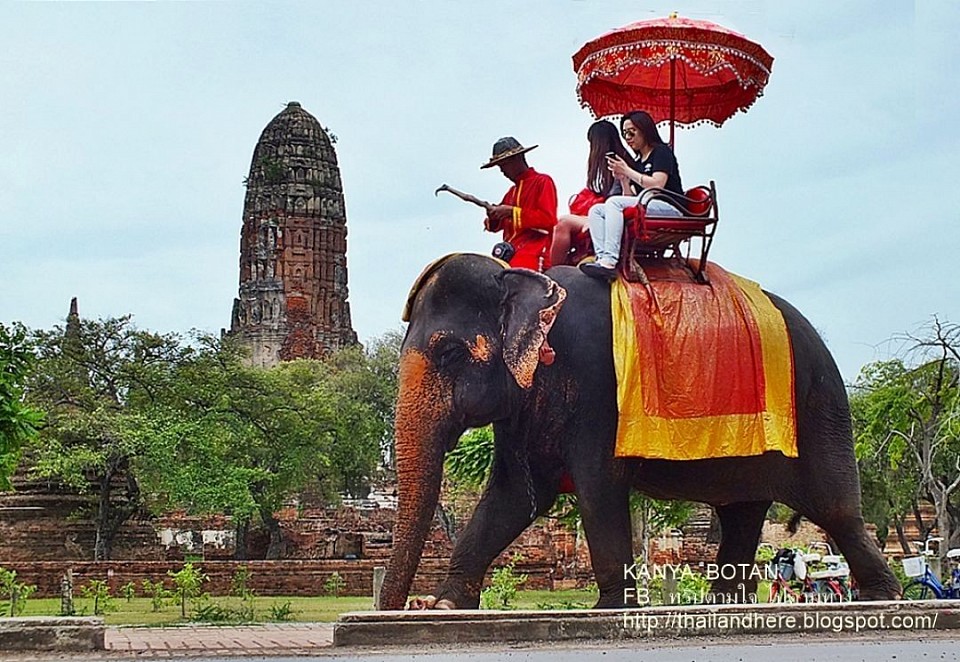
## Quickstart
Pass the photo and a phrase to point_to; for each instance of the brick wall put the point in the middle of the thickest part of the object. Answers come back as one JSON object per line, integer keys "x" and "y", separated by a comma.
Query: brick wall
{"x": 290, "y": 578}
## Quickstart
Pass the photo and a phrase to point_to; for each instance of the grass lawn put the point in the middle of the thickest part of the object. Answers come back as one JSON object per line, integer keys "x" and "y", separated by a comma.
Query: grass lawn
{"x": 138, "y": 611}
{"x": 315, "y": 609}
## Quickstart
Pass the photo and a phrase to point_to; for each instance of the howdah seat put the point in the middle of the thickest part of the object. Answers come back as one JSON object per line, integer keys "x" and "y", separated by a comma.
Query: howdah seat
{"x": 650, "y": 236}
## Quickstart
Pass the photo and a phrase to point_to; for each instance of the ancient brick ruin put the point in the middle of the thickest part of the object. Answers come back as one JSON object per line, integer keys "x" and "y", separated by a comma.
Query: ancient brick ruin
{"x": 293, "y": 244}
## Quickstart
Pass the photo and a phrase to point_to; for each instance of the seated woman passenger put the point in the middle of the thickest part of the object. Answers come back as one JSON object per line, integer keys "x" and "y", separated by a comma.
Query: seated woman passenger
{"x": 655, "y": 166}
{"x": 604, "y": 139}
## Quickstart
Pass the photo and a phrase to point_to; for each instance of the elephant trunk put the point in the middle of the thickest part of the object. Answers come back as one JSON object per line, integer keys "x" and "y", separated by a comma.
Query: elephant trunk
{"x": 422, "y": 407}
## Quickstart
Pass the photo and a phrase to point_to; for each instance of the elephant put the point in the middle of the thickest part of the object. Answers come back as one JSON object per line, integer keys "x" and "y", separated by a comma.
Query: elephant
{"x": 475, "y": 353}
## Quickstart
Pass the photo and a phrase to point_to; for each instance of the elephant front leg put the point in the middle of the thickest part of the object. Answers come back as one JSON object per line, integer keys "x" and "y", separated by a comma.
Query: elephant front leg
{"x": 605, "y": 511}
{"x": 514, "y": 498}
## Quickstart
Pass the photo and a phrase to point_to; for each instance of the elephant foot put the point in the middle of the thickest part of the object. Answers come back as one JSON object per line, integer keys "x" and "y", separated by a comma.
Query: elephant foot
{"x": 430, "y": 602}
{"x": 611, "y": 600}
{"x": 878, "y": 594}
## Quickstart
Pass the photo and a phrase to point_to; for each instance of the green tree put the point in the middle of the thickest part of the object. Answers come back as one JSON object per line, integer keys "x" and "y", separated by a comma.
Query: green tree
{"x": 889, "y": 482}
{"x": 229, "y": 437}
{"x": 245, "y": 440}
{"x": 94, "y": 378}
{"x": 142, "y": 420}
{"x": 907, "y": 428}
{"x": 471, "y": 460}
{"x": 361, "y": 388}
{"x": 19, "y": 423}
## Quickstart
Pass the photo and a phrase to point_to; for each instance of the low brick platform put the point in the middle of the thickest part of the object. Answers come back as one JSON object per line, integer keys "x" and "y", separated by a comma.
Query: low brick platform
{"x": 463, "y": 626}
{"x": 38, "y": 633}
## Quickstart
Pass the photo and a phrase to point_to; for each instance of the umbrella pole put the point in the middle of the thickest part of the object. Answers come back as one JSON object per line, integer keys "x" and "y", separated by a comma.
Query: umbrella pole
{"x": 673, "y": 96}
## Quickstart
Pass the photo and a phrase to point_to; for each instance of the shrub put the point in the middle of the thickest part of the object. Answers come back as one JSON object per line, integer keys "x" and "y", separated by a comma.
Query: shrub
{"x": 563, "y": 604}
{"x": 128, "y": 591}
{"x": 692, "y": 588}
{"x": 503, "y": 586}
{"x": 99, "y": 591}
{"x": 188, "y": 582}
{"x": 281, "y": 611}
{"x": 158, "y": 594}
{"x": 15, "y": 593}
{"x": 212, "y": 612}
{"x": 896, "y": 567}
{"x": 334, "y": 585}
{"x": 239, "y": 586}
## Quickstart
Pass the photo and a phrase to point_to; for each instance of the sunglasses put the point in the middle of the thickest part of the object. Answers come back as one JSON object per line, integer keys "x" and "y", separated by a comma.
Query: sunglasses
{"x": 629, "y": 133}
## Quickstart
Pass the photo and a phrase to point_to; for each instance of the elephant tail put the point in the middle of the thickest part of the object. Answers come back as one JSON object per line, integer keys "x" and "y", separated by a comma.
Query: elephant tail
{"x": 794, "y": 523}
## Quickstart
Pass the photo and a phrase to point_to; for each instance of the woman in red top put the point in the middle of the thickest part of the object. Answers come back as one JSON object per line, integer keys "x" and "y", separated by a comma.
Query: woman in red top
{"x": 604, "y": 139}
{"x": 655, "y": 167}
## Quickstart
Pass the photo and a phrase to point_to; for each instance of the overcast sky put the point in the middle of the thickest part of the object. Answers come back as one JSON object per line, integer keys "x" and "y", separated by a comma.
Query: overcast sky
{"x": 126, "y": 131}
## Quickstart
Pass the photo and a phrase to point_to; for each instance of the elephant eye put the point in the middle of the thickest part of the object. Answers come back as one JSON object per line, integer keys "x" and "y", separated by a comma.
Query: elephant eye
{"x": 450, "y": 353}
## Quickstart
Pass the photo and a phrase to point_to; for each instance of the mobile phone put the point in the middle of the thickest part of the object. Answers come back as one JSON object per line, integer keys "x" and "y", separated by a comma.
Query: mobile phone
{"x": 611, "y": 155}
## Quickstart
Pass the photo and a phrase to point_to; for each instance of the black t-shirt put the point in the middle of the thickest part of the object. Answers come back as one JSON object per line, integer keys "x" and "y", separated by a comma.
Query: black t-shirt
{"x": 661, "y": 159}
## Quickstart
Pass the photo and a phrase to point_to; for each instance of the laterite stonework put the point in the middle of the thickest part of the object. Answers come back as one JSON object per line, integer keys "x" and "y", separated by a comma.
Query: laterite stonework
{"x": 293, "y": 265}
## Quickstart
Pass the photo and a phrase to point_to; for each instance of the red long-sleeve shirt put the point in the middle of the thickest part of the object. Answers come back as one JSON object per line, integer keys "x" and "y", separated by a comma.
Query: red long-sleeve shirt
{"x": 534, "y": 202}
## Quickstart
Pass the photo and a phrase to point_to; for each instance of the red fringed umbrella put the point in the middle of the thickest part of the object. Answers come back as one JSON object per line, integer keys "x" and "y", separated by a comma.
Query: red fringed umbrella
{"x": 676, "y": 69}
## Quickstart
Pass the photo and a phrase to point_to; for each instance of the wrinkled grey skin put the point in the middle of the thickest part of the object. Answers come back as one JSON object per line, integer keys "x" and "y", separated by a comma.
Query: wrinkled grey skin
{"x": 567, "y": 420}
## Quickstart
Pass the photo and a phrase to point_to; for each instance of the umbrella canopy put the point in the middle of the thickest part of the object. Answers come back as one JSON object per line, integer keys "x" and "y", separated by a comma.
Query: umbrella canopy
{"x": 677, "y": 69}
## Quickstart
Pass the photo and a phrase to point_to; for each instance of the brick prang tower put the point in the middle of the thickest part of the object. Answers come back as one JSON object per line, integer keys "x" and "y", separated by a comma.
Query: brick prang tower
{"x": 293, "y": 245}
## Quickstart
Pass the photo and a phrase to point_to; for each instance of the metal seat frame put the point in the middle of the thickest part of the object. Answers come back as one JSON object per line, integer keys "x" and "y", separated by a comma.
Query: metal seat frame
{"x": 648, "y": 236}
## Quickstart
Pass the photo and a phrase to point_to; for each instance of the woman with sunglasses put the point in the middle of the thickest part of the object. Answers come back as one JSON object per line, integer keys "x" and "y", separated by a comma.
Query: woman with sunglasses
{"x": 655, "y": 167}
{"x": 604, "y": 140}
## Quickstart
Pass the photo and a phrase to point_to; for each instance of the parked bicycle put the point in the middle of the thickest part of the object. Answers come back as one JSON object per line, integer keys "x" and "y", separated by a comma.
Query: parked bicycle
{"x": 783, "y": 569}
{"x": 830, "y": 576}
{"x": 808, "y": 576}
{"x": 926, "y": 585}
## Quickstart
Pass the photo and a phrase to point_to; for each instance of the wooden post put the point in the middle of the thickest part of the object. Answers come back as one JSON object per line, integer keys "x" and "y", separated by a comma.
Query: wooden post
{"x": 66, "y": 594}
{"x": 379, "y": 572}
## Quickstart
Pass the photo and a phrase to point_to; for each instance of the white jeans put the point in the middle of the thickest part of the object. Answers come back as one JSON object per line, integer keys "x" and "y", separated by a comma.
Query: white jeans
{"x": 606, "y": 224}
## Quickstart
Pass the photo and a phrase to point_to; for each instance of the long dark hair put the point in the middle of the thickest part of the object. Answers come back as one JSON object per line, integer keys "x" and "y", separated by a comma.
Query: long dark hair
{"x": 645, "y": 124}
{"x": 603, "y": 137}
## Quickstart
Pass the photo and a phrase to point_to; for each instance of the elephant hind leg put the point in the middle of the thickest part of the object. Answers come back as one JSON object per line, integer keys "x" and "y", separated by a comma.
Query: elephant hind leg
{"x": 740, "y": 528}
{"x": 874, "y": 578}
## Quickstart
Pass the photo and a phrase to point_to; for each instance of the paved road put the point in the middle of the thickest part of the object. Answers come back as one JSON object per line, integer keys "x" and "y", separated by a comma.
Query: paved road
{"x": 849, "y": 650}
{"x": 869, "y": 647}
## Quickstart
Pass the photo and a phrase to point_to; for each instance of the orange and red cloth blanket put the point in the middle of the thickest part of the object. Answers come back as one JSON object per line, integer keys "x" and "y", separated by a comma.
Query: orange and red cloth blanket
{"x": 703, "y": 371}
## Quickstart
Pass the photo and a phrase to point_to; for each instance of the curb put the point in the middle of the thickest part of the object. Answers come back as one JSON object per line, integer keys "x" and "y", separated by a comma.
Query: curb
{"x": 60, "y": 634}
{"x": 468, "y": 626}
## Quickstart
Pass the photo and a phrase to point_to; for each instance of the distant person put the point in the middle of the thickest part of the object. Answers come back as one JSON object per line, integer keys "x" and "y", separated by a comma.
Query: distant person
{"x": 528, "y": 212}
{"x": 655, "y": 167}
{"x": 604, "y": 139}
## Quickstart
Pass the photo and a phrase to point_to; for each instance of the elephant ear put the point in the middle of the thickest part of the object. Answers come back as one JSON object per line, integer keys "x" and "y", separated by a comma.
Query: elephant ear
{"x": 529, "y": 307}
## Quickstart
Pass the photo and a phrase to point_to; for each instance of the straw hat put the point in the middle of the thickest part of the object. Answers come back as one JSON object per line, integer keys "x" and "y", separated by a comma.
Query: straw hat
{"x": 504, "y": 149}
